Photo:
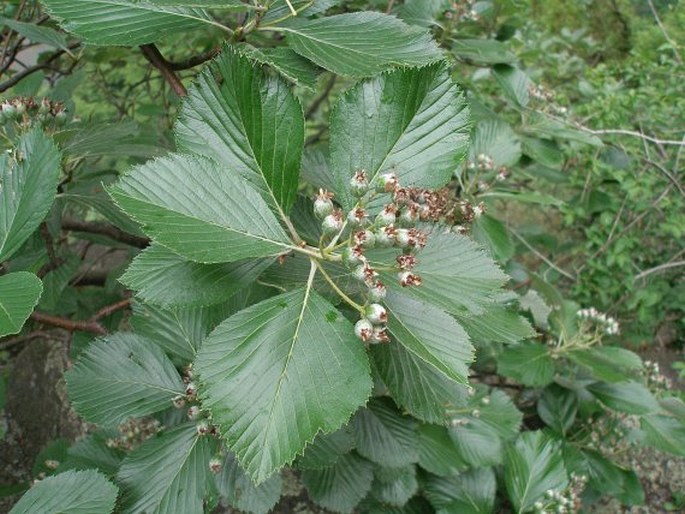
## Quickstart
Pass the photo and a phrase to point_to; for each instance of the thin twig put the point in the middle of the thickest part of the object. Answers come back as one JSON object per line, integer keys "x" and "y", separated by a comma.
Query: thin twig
{"x": 104, "y": 229}
{"x": 663, "y": 31}
{"x": 667, "y": 173}
{"x": 320, "y": 99}
{"x": 660, "y": 267}
{"x": 91, "y": 325}
{"x": 543, "y": 258}
{"x": 155, "y": 57}
{"x": 193, "y": 61}
{"x": 15, "y": 79}
{"x": 623, "y": 132}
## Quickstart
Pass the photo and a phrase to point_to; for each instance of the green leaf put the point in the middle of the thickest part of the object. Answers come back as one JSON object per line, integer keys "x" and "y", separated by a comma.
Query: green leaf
{"x": 437, "y": 452}
{"x": 37, "y": 33}
{"x": 360, "y": 44}
{"x": 168, "y": 473}
{"x": 536, "y": 305}
{"x": 496, "y": 139}
{"x": 528, "y": 363}
{"x": 123, "y": 22}
{"x": 456, "y": 273}
{"x": 250, "y": 123}
{"x": 608, "y": 363}
{"x": 73, "y": 492}
{"x": 664, "y": 433}
{"x": 28, "y": 184}
{"x": 271, "y": 381}
{"x": 395, "y": 486}
{"x": 56, "y": 281}
{"x": 630, "y": 397}
{"x": 492, "y": 234}
{"x": 414, "y": 123}
{"x": 544, "y": 151}
{"x": 120, "y": 377}
{"x": 472, "y": 492}
{"x": 430, "y": 334}
{"x": 514, "y": 82}
{"x": 532, "y": 466}
{"x": 342, "y": 486}
{"x": 385, "y": 436}
{"x": 19, "y": 294}
{"x": 92, "y": 452}
{"x": 241, "y": 493}
{"x": 289, "y": 64}
{"x": 418, "y": 387}
{"x": 558, "y": 407}
{"x": 608, "y": 478}
{"x": 496, "y": 325}
{"x": 326, "y": 449}
{"x": 485, "y": 51}
{"x": 164, "y": 278}
{"x": 478, "y": 434}
{"x": 524, "y": 197}
{"x": 189, "y": 204}
{"x": 179, "y": 332}
{"x": 279, "y": 10}
{"x": 422, "y": 13}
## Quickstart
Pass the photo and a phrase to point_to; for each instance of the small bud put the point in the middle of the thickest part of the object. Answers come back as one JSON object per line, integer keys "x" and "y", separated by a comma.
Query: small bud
{"x": 377, "y": 292}
{"x": 363, "y": 329}
{"x": 359, "y": 183}
{"x": 379, "y": 336}
{"x": 51, "y": 464}
{"x": 387, "y": 183}
{"x": 21, "y": 108}
{"x": 193, "y": 412}
{"x": 365, "y": 273}
{"x": 179, "y": 401}
{"x": 409, "y": 216}
{"x": 203, "y": 428}
{"x": 352, "y": 257}
{"x": 386, "y": 236}
{"x": 61, "y": 118}
{"x": 402, "y": 238}
{"x": 376, "y": 314}
{"x": 44, "y": 107}
{"x": 406, "y": 262}
{"x": 401, "y": 196}
{"x": 364, "y": 238}
{"x": 407, "y": 278}
{"x": 387, "y": 215}
{"x": 215, "y": 465}
{"x": 9, "y": 110}
{"x": 191, "y": 389}
{"x": 357, "y": 217}
{"x": 332, "y": 224}
{"x": 323, "y": 206}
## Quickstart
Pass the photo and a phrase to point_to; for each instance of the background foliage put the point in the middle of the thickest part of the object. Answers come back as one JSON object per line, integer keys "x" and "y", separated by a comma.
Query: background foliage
{"x": 552, "y": 133}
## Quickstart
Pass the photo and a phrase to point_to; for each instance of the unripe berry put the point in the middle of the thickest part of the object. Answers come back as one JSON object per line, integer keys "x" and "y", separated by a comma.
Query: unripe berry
{"x": 386, "y": 236}
{"x": 407, "y": 278}
{"x": 9, "y": 110}
{"x": 359, "y": 183}
{"x": 379, "y": 336}
{"x": 363, "y": 329}
{"x": 357, "y": 217}
{"x": 387, "y": 215}
{"x": 332, "y": 224}
{"x": 193, "y": 412}
{"x": 215, "y": 465}
{"x": 409, "y": 216}
{"x": 21, "y": 108}
{"x": 365, "y": 273}
{"x": 352, "y": 257}
{"x": 402, "y": 238}
{"x": 203, "y": 428}
{"x": 376, "y": 314}
{"x": 364, "y": 238}
{"x": 387, "y": 183}
{"x": 61, "y": 118}
{"x": 377, "y": 292}
{"x": 191, "y": 389}
{"x": 44, "y": 107}
{"x": 323, "y": 206}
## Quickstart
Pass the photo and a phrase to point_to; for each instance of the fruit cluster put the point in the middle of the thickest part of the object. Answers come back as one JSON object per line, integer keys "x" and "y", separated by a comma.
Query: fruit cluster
{"x": 27, "y": 110}
{"x": 394, "y": 225}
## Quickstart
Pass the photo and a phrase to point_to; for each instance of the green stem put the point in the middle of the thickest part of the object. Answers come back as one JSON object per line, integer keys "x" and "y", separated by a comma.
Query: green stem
{"x": 335, "y": 287}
